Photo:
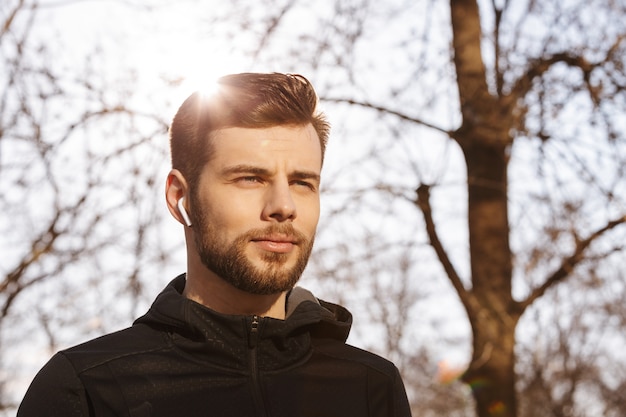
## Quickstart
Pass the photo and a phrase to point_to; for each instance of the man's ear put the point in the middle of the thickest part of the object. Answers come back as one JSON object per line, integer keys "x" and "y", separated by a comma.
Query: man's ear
{"x": 176, "y": 188}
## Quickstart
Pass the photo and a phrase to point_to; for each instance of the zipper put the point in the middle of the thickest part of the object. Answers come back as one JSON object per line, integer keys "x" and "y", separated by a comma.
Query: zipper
{"x": 257, "y": 392}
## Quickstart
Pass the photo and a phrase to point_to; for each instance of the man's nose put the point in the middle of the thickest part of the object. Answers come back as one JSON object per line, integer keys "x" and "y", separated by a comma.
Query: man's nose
{"x": 279, "y": 203}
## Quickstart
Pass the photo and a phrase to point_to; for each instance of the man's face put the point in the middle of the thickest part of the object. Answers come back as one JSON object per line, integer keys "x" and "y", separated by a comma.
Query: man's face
{"x": 256, "y": 207}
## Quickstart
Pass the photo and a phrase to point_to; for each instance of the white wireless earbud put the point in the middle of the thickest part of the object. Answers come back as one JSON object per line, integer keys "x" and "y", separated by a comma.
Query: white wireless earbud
{"x": 183, "y": 212}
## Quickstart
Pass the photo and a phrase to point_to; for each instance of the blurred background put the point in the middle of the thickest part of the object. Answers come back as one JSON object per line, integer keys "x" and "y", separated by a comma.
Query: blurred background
{"x": 474, "y": 188}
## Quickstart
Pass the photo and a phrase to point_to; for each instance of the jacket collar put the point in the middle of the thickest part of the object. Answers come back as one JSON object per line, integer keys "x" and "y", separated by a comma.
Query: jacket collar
{"x": 226, "y": 340}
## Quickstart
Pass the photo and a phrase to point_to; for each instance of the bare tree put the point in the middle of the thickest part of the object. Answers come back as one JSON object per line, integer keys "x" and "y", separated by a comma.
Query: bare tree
{"x": 511, "y": 91}
{"x": 77, "y": 167}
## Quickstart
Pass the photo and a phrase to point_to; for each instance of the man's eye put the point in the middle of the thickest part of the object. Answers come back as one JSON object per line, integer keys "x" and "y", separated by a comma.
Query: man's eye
{"x": 249, "y": 180}
{"x": 306, "y": 184}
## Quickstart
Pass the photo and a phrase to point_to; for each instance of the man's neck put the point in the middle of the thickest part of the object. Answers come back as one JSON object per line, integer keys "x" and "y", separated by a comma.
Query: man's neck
{"x": 218, "y": 295}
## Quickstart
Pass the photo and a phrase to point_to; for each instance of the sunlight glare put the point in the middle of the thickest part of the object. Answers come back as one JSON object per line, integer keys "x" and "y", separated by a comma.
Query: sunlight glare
{"x": 202, "y": 64}
{"x": 205, "y": 82}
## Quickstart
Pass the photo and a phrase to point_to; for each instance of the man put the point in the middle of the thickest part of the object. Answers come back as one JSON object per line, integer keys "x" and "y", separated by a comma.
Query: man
{"x": 233, "y": 336}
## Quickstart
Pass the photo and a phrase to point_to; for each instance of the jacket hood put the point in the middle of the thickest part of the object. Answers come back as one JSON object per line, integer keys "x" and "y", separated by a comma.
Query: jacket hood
{"x": 227, "y": 339}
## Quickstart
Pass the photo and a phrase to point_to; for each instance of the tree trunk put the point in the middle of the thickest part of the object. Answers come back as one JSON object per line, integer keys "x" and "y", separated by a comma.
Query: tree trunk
{"x": 485, "y": 140}
{"x": 494, "y": 314}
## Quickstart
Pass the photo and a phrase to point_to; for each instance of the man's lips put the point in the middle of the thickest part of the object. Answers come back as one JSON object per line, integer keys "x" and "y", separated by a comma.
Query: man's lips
{"x": 276, "y": 243}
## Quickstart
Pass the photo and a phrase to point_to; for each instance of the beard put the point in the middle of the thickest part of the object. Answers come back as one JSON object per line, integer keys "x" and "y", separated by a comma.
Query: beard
{"x": 229, "y": 260}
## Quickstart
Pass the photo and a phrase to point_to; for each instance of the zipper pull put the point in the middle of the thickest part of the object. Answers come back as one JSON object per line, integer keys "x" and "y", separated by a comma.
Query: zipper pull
{"x": 254, "y": 332}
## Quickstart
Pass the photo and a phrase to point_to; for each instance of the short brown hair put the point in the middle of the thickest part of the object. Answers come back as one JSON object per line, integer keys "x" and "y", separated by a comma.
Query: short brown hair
{"x": 248, "y": 100}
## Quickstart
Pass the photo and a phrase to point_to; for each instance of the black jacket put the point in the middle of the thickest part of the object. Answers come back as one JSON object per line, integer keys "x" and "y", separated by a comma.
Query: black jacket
{"x": 182, "y": 359}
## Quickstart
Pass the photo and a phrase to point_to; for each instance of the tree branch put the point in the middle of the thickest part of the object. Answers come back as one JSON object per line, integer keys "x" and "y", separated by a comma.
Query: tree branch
{"x": 423, "y": 203}
{"x": 10, "y": 18}
{"x": 273, "y": 23}
{"x": 42, "y": 245}
{"x": 540, "y": 66}
{"x": 386, "y": 110}
{"x": 568, "y": 264}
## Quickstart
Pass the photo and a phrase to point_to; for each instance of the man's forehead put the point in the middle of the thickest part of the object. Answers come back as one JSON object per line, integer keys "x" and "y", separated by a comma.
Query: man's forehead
{"x": 300, "y": 143}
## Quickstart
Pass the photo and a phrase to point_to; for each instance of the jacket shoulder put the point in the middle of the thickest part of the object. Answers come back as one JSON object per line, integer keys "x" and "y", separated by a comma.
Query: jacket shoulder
{"x": 131, "y": 341}
{"x": 61, "y": 382}
{"x": 351, "y": 354}
{"x": 57, "y": 383}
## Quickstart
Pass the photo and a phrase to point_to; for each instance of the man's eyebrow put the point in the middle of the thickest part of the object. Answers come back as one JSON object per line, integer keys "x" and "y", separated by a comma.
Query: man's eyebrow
{"x": 256, "y": 170}
{"x": 305, "y": 175}
{"x": 245, "y": 169}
